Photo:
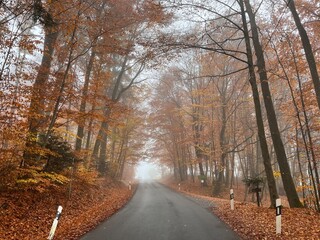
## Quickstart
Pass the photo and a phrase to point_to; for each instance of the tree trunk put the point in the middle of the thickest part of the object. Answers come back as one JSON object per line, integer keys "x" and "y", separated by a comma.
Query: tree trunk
{"x": 222, "y": 139}
{"x": 83, "y": 104}
{"x": 233, "y": 156}
{"x": 307, "y": 49}
{"x": 257, "y": 106}
{"x": 36, "y": 116}
{"x": 304, "y": 132}
{"x": 102, "y": 165}
{"x": 303, "y": 181}
{"x": 199, "y": 154}
{"x": 100, "y": 147}
{"x": 102, "y": 137}
{"x": 287, "y": 179}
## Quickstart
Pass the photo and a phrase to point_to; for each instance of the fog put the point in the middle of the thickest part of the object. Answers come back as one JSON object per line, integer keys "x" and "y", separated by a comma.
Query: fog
{"x": 147, "y": 171}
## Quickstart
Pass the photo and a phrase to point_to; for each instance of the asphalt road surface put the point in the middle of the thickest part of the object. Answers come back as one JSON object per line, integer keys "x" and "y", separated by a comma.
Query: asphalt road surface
{"x": 158, "y": 213}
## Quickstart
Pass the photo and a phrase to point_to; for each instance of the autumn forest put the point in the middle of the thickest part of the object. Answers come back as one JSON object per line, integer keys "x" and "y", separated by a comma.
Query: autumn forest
{"x": 219, "y": 94}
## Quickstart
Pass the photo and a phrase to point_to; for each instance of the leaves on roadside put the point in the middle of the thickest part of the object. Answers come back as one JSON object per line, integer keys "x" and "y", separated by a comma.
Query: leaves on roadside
{"x": 28, "y": 214}
{"x": 257, "y": 223}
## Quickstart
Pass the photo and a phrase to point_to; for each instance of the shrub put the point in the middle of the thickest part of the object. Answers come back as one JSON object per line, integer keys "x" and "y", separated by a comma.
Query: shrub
{"x": 59, "y": 155}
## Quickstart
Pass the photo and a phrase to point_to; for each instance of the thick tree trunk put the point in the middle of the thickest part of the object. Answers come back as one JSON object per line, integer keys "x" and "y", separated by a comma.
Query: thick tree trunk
{"x": 36, "y": 116}
{"x": 36, "y": 113}
{"x": 287, "y": 179}
{"x": 199, "y": 156}
{"x": 100, "y": 148}
{"x": 257, "y": 106}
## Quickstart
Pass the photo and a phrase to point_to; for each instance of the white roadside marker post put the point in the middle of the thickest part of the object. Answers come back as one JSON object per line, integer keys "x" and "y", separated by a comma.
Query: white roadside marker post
{"x": 278, "y": 216}
{"x": 179, "y": 186}
{"x": 55, "y": 223}
{"x": 129, "y": 185}
{"x": 231, "y": 199}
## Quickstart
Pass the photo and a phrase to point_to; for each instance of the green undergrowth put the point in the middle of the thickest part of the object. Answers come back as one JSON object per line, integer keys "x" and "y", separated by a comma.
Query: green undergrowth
{"x": 37, "y": 179}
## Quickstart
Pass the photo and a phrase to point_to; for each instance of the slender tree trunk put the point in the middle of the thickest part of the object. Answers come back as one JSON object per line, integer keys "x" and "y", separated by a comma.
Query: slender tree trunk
{"x": 307, "y": 49}
{"x": 83, "y": 104}
{"x": 222, "y": 139}
{"x": 175, "y": 170}
{"x": 191, "y": 172}
{"x": 88, "y": 143}
{"x": 56, "y": 108}
{"x": 96, "y": 146}
{"x": 5, "y": 62}
{"x": 122, "y": 156}
{"x": 287, "y": 179}
{"x": 245, "y": 176}
{"x": 199, "y": 153}
{"x": 113, "y": 145}
{"x": 257, "y": 106}
{"x": 185, "y": 162}
{"x": 122, "y": 161}
{"x": 234, "y": 125}
{"x": 306, "y": 119}
{"x": 309, "y": 149}
{"x": 102, "y": 164}
{"x": 303, "y": 181}
{"x": 101, "y": 141}
{"x": 227, "y": 175}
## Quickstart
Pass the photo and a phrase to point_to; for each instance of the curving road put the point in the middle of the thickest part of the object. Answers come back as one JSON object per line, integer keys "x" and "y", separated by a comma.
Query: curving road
{"x": 158, "y": 213}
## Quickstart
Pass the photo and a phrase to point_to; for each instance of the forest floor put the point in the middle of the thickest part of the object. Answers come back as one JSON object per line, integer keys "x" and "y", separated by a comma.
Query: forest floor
{"x": 28, "y": 207}
{"x": 253, "y": 222}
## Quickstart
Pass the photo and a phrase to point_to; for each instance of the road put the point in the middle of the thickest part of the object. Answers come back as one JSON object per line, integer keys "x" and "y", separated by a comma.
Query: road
{"x": 158, "y": 213}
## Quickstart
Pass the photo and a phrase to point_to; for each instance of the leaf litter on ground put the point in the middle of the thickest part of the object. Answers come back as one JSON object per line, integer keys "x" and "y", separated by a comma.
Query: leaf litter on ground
{"x": 251, "y": 222}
